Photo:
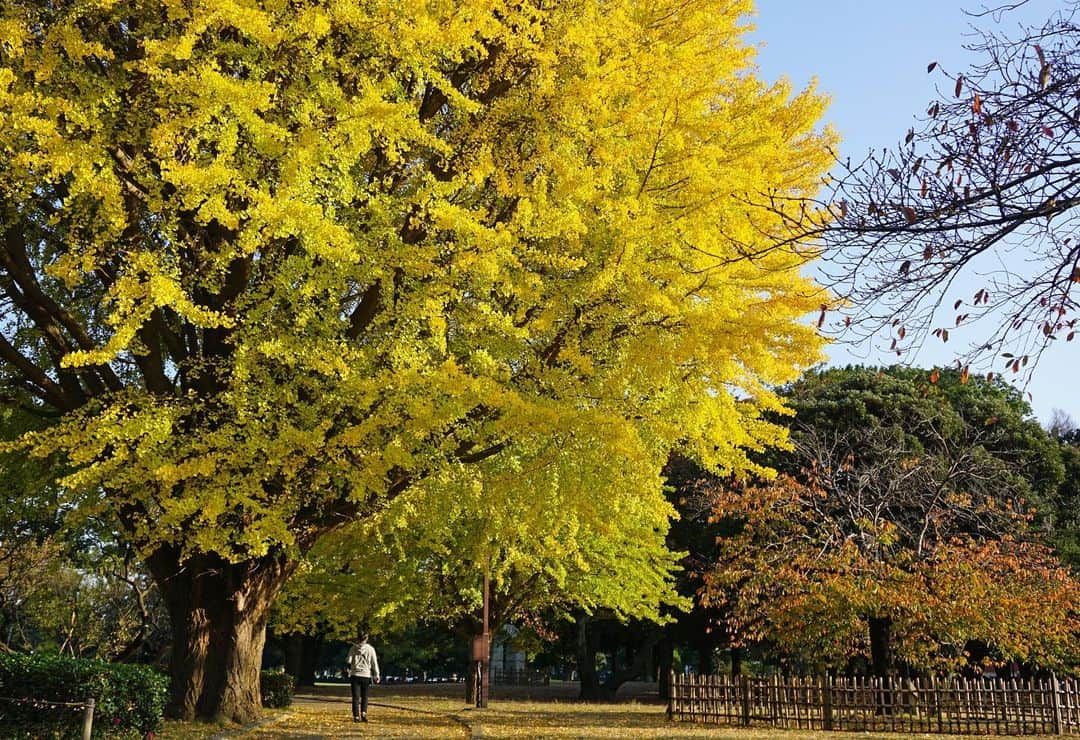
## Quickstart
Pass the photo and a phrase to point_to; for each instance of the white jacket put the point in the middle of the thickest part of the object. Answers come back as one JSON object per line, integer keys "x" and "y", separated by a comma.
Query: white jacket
{"x": 362, "y": 661}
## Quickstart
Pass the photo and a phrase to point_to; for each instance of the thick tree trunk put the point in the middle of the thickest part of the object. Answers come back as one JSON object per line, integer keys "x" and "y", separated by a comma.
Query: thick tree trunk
{"x": 881, "y": 659}
{"x": 665, "y": 661}
{"x": 706, "y": 659}
{"x": 880, "y": 655}
{"x": 471, "y": 686}
{"x": 736, "y": 661}
{"x": 586, "y": 662}
{"x": 219, "y": 612}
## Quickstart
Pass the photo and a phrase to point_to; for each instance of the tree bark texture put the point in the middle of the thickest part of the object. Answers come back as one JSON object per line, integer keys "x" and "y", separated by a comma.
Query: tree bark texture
{"x": 470, "y": 684}
{"x": 219, "y": 612}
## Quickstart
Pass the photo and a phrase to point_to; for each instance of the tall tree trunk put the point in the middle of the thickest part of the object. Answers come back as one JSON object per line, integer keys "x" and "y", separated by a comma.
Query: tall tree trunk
{"x": 880, "y": 659}
{"x": 706, "y": 659}
{"x": 309, "y": 661}
{"x": 219, "y": 612}
{"x": 586, "y": 661}
{"x": 880, "y": 655}
{"x": 736, "y": 661}
{"x": 302, "y": 657}
{"x": 471, "y": 687}
{"x": 665, "y": 661}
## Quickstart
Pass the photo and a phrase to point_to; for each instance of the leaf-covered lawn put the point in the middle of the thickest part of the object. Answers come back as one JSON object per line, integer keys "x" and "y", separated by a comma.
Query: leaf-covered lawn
{"x": 324, "y": 720}
{"x": 440, "y": 712}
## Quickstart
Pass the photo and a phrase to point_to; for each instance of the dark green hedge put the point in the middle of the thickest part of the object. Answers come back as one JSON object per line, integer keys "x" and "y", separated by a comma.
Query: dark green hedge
{"x": 130, "y": 699}
{"x": 277, "y": 688}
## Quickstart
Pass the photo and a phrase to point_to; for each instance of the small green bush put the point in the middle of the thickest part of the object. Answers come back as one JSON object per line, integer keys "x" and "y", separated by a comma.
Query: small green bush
{"x": 129, "y": 699}
{"x": 277, "y": 688}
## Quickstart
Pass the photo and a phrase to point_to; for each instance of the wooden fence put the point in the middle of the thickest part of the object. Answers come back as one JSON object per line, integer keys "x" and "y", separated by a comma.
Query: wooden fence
{"x": 55, "y": 708}
{"x": 519, "y": 677}
{"x": 923, "y": 705}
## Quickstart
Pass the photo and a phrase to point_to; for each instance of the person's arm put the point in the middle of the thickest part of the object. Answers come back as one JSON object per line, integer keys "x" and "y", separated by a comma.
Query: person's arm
{"x": 374, "y": 666}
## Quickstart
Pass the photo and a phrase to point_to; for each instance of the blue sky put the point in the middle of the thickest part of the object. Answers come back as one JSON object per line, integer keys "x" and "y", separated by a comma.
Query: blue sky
{"x": 870, "y": 57}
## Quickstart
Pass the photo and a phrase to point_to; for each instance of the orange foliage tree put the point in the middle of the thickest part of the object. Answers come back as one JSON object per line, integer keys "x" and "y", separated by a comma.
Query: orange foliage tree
{"x": 897, "y": 535}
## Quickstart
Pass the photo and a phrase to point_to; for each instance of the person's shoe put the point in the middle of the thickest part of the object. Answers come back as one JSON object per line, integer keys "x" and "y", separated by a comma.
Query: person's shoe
{"x": 355, "y": 719}
{"x": 363, "y": 718}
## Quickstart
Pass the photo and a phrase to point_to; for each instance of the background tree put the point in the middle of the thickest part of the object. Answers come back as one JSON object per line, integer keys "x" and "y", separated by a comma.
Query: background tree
{"x": 705, "y": 628}
{"x": 273, "y": 264}
{"x": 972, "y": 219}
{"x": 1065, "y": 504}
{"x": 63, "y": 588}
{"x": 555, "y": 538}
{"x": 901, "y": 529}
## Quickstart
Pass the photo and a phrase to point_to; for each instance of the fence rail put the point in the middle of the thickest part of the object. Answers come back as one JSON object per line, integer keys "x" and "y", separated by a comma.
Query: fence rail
{"x": 921, "y": 705}
{"x": 85, "y": 708}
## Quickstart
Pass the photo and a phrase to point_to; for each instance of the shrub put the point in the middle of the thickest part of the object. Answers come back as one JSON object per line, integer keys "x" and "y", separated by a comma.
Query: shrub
{"x": 129, "y": 699}
{"x": 277, "y": 688}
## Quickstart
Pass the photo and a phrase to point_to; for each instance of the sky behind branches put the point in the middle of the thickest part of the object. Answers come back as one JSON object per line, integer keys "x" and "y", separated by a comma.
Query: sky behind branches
{"x": 870, "y": 57}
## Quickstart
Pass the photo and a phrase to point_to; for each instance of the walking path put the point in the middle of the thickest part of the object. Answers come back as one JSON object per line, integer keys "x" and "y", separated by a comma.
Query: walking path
{"x": 439, "y": 711}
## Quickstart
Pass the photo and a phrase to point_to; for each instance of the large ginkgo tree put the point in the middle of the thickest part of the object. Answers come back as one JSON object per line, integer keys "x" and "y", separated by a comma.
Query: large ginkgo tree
{"x": 267, "y": 263}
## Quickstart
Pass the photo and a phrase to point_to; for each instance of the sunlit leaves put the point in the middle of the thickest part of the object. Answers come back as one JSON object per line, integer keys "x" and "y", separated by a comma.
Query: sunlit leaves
{"x": 332, "y": 250}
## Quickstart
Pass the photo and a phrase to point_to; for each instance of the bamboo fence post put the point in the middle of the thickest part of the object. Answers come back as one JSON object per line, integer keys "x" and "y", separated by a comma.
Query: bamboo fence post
{"x": 935, "y": 687}
{"x": 691, "y": 695}
{"x": 1017, "y": 704}
{"x": 88, "y": 719}
{"x": 744, "y": 690}
{"x": 826, "y": 703}
{"x": 1056, "y": 702}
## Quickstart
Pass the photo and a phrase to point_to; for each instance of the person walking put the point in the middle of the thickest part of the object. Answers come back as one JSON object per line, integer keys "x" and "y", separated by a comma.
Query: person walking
{"x": 362, "y": 666}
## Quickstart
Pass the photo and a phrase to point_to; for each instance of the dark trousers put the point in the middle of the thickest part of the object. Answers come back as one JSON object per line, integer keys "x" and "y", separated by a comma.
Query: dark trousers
{"x": 360, "y": 686}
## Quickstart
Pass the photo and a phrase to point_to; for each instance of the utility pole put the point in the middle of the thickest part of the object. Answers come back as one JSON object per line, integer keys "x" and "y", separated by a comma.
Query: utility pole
{"x": 485, "y": 665}
{"x": 481, "y": 652}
